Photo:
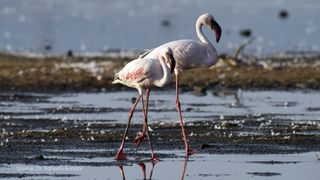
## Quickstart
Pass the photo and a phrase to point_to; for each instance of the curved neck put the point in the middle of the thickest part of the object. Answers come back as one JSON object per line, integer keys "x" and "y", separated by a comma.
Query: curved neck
{"x": 200, "y": 34}
{"x": 166, "y": 78}
{"x": 204, "y": 40}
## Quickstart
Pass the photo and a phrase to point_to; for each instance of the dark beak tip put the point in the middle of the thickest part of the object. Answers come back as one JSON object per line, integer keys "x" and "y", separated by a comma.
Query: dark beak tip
{"x": 218, "y": 39}
{"x": 217, "y": 29}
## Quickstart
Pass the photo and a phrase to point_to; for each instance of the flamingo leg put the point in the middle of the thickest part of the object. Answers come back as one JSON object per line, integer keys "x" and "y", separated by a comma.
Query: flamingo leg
{"x": 122, "y": 172}
{"x": 142, "y": 134}
{"x": 189, "y": 151}
{"x": 151, "y": 172}
{"x": 143, "y": 168}
{"x": 120, "y": 155}
{"x": 184, "y": 168}
{"x": 153, "y": 156}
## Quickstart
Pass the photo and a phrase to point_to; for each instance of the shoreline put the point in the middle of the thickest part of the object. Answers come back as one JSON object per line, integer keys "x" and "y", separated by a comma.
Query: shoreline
{"x": 95, "y": 73}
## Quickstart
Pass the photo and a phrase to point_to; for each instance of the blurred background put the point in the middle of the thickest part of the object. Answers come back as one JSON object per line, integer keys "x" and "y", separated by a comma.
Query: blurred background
{"x": 56, "y": 26}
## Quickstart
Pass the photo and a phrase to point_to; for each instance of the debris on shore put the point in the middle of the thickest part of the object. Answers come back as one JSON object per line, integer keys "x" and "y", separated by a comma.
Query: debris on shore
{"x": 95, "y": 72}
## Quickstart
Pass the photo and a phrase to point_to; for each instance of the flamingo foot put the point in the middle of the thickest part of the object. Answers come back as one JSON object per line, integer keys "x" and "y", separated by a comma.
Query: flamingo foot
{"x": 190, "y": 151}
{"x": 139, "y": 138}
{"x": 120, "y": 155}
{"x": 154, "y": 159}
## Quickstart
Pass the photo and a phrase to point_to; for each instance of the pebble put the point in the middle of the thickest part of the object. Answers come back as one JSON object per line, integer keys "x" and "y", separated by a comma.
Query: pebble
{"x": 245, "y": 32}
{"x": 150, "y": 129}
{"x": 165, "y": 22}
{"x": 283, "y": 14}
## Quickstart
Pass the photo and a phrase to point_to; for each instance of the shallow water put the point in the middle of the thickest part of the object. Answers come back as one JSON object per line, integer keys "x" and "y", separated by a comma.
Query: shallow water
{"x": 113, "y": 106}
{"x": 94, "y": 159}
{"x": 56, "y": 26}
{"x": 201, "y": 166}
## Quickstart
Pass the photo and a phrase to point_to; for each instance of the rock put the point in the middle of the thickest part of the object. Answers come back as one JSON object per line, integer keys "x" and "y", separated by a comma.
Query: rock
{"x": 165, "y": 22}
{"x": 245, "y": 33}
{"x": 283, "y": 14}
{"x": 39, "y": 158}
{"x": 70, "y": 53}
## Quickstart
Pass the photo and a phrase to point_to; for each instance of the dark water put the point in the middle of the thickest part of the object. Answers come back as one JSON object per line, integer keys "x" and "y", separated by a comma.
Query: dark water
{"x": 55, "y": 26}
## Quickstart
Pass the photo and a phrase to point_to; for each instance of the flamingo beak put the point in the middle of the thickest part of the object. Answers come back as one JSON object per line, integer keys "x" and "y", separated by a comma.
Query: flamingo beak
{"x": 216, "y": 28}
{"x": 172, "y": 62}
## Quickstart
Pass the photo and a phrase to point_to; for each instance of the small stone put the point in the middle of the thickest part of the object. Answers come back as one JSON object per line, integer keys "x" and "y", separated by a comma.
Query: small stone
{"x": 39, "y": 157}
{"x": 245, "y": 32}
{"x": 165, "y": 22}
{"x": 283, "y": 14}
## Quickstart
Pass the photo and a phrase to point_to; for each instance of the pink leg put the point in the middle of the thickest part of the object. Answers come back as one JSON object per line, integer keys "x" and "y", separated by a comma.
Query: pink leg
{"x": 145, "y": 129}
{"x": 141, "y": 135}
{"x": 143, "y": 168}
{"x": 120, "y": 155}
{"x": 189, "y": 151}
{"x": 154, "y": 158}
{"x": 122, "y": 172}
{"x": 184, "y": 168}
{"x": 151, "y": 171}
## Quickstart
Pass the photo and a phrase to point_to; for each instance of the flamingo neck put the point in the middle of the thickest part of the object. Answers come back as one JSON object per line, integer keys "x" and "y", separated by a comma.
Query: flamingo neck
{"x": 200, "y": 34}
{"x": 166, "y": 78}
{"x": 204, "y": 40}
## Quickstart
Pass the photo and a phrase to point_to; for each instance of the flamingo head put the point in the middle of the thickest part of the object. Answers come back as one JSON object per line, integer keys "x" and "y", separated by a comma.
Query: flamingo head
{"x": 213, "y": 24}
{"x": 170, "y": 61}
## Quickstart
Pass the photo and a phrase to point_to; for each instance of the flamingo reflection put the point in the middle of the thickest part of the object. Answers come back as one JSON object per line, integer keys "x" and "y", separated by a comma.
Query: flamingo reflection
{"x": 143, "y": 169}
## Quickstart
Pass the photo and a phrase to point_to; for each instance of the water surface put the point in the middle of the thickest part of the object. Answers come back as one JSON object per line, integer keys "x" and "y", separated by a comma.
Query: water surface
{"x": 113, "y": 106}
{"x": 55, "y": 26}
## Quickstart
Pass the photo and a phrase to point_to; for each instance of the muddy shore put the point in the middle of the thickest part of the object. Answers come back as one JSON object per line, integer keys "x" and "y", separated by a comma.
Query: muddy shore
{"x": 95, "y": 73}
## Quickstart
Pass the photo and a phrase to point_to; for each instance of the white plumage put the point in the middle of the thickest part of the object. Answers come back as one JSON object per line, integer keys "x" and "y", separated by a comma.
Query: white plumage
{"x": 144, "y": 74}
{"x": 191, "y": 54}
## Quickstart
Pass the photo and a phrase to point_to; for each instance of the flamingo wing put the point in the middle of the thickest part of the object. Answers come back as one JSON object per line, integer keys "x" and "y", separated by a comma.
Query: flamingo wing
{"x": 145, "y": 53}
{"x": 188, "y": 53}
{"x": 139, "y": 72}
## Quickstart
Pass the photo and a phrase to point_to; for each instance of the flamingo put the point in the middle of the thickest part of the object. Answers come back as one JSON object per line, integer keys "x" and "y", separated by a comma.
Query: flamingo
{"x": 143, "y": 74}
{"x": 191, "y": 54}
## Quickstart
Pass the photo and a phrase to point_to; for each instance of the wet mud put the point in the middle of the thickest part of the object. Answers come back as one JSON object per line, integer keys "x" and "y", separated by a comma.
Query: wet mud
{"x": 60, "y": 135}
{"x": 45, "y": 140}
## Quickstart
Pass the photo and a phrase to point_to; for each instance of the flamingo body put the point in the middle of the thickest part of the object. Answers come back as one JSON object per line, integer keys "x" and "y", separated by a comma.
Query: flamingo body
{"x": 188, "y": 54}
{"x": 143, "y": 74}
{"x": 191, "y": 54}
